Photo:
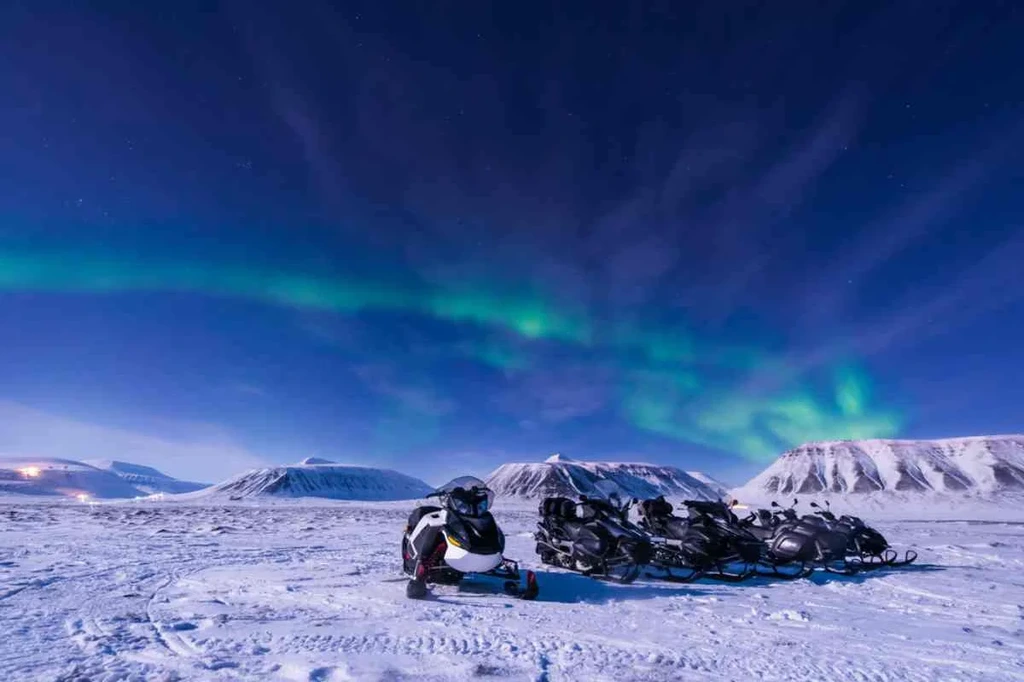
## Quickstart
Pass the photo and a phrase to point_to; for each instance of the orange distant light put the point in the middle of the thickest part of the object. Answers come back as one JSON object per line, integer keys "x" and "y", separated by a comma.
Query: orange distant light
{"x": 29, "y": 472}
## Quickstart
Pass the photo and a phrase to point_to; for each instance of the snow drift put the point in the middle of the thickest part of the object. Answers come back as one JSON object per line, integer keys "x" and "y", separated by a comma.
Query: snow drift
{"x": 320, "y": 478}
{"x": 146, "y": 479}
{"x": 559, "y": 475}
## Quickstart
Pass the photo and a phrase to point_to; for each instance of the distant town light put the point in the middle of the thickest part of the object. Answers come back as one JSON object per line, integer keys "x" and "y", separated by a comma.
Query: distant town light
{"x": 82, "y": 497}
{"x": 30, "y": 472}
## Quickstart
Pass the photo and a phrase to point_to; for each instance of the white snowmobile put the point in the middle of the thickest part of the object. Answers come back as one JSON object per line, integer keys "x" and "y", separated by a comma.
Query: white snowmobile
{"x": 442, "y": 544}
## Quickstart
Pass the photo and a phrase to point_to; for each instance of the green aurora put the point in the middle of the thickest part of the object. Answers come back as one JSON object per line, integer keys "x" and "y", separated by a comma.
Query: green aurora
{"x": 670, "y": 383}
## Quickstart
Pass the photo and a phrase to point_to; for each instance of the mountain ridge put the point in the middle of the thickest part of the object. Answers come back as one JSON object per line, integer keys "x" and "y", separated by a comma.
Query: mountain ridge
{"x": 146, "y": 478}
{"x": 562, "y": 476}
{"x": 971, "y": 465}
{"x": 317, "y": 478}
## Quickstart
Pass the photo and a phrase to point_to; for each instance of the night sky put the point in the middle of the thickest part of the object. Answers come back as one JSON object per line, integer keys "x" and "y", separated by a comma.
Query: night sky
{"x": 438, "y": 236}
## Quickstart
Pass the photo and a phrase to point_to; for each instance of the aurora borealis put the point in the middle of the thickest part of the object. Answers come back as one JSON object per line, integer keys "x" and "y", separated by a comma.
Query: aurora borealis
{"x": 665, "y": 381}
{"x": 439, "y": 242}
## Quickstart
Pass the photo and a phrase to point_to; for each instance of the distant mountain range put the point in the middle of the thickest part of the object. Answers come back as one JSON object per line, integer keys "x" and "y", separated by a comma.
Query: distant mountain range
{"x": 977, "y": 466}
{"x": 54, "y": 477}
{"x": 950, "y": 475}
{"x": 561, "y": 476}
{"x": 313, "y": 477}
{"x": 146, "y": 479}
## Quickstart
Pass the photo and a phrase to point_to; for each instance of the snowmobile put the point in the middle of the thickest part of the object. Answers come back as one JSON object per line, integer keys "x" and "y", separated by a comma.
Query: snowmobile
{"x": 593, "y": 536}
{"x": 866, "y": 548}
{"x": 443, "y": 544}
{"x": 803, "y": 543}
{"x": 708, "y": 543}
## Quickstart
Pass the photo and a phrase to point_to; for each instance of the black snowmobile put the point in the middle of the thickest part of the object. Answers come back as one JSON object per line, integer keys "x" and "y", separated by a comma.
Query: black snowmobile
{"x": 708, "y": 543}
{"x": 442, "y": 544}
{"x": 592, "y": 536}
{"x": 866, "y": 548}
{"x": 794, "y": 546}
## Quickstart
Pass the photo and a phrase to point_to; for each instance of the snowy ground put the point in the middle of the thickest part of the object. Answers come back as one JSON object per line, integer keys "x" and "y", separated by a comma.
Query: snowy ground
{"x": 116, "y": 592}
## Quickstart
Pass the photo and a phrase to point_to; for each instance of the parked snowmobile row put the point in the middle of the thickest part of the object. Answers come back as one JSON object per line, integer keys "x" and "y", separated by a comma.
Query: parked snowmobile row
{"x": 775, "y": 541}
{"x": 458, "y": 537}
{"x": 597, "y": 537}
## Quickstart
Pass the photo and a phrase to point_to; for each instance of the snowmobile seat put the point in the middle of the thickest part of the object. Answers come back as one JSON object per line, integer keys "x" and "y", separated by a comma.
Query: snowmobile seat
{"x": 676, "y": 528}
{"x": 418, "y": 513}
{"x": 585, "y": 512}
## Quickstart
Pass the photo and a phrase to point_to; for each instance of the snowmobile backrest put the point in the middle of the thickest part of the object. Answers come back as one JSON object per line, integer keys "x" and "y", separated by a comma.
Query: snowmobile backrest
{"x": 559, "y": 507}
{"x": 658, "y": 506}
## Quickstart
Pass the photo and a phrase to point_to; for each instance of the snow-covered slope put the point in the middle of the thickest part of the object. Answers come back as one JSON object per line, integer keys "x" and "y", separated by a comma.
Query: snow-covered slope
{"x": 320, "y": 478}
{"x": 559, "y": 475}
{"x": 49, "y": 476}
{"x": 976, "y": 467}
{"x": 146, "y": 479}
{"x": 721, "y": 489}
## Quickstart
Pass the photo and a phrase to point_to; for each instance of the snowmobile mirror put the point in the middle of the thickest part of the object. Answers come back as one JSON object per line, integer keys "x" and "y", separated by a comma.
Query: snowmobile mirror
{"x": 774, "y": 503}
{"x": 814, "y": 504}
{"x": 794, "y": 501}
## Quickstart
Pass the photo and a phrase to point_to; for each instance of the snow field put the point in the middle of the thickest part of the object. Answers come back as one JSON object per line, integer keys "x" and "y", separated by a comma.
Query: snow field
{"x": 133, "y": 591}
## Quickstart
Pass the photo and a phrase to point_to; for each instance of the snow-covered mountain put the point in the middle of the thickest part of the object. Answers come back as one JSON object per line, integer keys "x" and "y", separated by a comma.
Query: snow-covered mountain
{"x": 146, "y": 479}
{"x": 979, "y": 466}
{"x": 313, "y": 477}
{"x": 49, "y": 476}
{"x": 559, "y": 475}
{"x": 720, "y": 489}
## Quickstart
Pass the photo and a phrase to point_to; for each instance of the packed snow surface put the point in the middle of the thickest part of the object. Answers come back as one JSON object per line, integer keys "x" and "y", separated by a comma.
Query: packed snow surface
{"x": 319, "y": 478}
{"x": 146, "y": 479}
{"x": 983, "y": 466}
{"x": 558, "y": 475}
{"x": 137, "y": 591}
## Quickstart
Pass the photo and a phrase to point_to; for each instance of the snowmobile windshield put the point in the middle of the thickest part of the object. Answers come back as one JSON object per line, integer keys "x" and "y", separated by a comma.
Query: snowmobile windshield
{"x": 467, "y": 495}
{"x": 464, "y": 482}
{"x": 472, "y": 502}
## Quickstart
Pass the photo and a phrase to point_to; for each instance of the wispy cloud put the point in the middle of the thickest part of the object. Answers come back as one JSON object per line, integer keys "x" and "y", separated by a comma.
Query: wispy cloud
{"x": 421, "y": 398}
{"x": 911, "y": 223}
{"x": 555, "y": 395}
